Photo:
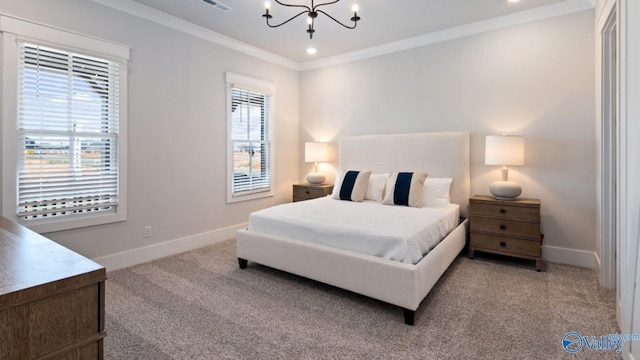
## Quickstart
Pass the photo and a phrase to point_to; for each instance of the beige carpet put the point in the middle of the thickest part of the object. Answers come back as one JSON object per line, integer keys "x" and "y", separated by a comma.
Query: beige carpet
{"x": 200, "y": 305}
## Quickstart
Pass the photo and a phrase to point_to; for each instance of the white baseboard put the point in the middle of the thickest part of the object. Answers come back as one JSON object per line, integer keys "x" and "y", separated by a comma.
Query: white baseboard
{"x": 618, "y": 312}
{"x": 172, "y": 247}
{"x": 580, "y": 258}
{"x": 598, "y": 265}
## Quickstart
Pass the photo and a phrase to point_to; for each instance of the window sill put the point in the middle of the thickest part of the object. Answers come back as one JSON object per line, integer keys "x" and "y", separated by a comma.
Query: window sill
{"x": 249, "y": 196}
{"x": 47, "y": 226}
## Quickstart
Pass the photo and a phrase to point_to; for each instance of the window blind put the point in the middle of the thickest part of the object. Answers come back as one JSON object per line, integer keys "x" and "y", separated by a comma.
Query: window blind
{"x": 250, "y": 138}
{"x": 68, "y": 118}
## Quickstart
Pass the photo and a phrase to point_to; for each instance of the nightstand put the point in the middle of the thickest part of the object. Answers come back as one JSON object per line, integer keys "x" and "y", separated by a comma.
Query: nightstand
{"x": 308, "y": 191}
{"x": 506, "y": 227}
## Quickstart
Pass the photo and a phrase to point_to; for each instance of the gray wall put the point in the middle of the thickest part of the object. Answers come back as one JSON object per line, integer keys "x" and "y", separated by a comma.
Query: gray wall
{"x": 177, "y": 127}
{"x": 535, "y": 80}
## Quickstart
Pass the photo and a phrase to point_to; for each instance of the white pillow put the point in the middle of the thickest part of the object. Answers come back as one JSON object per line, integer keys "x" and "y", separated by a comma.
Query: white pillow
{"x": 351, "y": 185}
{"x": 437, "y": 192}
{"x": 375, "y": 188}
{"x": 405, "y": 188}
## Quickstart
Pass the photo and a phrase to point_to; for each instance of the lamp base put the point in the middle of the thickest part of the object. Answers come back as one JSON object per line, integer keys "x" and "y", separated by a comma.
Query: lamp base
{"x": 315, "y": 178}
{"x": 505, "y": 190}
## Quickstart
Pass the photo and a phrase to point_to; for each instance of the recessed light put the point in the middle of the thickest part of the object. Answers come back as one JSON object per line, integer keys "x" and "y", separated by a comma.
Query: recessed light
{"x": 311, "y": 51}
{"x": 513, "y": 1}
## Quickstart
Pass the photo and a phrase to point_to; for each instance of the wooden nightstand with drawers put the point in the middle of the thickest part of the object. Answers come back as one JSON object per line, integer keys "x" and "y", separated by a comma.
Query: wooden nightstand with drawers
{"x": 506, "y": 227}
{"x": 308, "y": 191}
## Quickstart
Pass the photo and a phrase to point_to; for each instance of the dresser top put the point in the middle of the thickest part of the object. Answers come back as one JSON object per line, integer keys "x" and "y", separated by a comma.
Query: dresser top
{"x": 487, "y": 199}
{"x": 29, "y": 260}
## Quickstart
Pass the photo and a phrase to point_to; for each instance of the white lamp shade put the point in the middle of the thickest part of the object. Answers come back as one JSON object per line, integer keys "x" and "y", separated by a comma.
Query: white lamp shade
{"x": 316, "y": 152}
{"x": 504, "y": 150}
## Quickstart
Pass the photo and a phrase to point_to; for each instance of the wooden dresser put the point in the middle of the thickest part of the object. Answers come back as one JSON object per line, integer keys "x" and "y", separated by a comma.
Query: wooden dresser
{"x": 51, "y": 299}
{"x": 506, "y": 227}
{"x": 308, "y": 191}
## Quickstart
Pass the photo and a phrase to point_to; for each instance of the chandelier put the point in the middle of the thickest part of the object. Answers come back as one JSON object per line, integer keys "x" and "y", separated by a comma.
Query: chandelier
{"x": 312, "y": 13}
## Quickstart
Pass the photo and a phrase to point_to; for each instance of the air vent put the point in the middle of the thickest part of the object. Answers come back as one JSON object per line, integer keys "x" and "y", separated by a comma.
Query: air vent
{"x": 218, "y": 5}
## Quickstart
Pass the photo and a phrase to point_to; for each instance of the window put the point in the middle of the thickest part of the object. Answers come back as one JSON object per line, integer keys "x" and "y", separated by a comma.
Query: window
{"x": 250, "y": 168}
{"x": 67, "y": 133}
{"x": 68, "y": 143}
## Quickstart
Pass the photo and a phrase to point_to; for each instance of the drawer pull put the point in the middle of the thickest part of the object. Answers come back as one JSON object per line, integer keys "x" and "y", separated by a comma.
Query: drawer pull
{"x": 503, "y": 227}
{"x": 502, "y": 211}
{"x": 307, "y": 192}
{"x": 503, "y": 244}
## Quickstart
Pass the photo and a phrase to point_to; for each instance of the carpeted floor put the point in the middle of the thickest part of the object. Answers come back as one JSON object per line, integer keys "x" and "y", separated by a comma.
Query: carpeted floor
{"x": 200, "y": 305}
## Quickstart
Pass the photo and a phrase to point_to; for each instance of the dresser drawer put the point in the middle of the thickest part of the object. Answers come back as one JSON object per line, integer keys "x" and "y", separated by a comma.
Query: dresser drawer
{"x": 506, "y": 227}
{"x": 506, "y": 212}
{"x": 505, "y": 244}
{"x": 308, "y": 192}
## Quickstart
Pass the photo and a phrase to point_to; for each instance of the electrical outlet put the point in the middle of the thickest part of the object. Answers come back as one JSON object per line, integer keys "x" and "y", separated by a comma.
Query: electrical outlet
{"x": 147, "y": 231}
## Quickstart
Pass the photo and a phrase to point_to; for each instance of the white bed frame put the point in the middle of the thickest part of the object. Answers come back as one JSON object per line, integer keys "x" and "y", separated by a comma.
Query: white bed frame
{"x": 405, "y": 285}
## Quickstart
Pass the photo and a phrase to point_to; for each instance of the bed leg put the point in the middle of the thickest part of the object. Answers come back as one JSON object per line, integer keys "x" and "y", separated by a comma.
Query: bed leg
{"x": 242, "y": 263}
{"x": 409, "y": 316}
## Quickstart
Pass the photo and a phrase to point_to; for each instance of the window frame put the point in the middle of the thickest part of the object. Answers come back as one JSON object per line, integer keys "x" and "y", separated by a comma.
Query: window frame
{"x": 241, "y": 82}
{"x": 12, "y": 31}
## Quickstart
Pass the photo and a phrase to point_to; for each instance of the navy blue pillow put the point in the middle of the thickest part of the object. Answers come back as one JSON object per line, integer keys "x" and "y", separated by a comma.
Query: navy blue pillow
{"x": 351, "y": 185}
{"x": 405, "y": 188}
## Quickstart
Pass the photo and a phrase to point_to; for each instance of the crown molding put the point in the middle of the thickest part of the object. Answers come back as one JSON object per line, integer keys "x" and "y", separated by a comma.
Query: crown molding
{"x": 540, "y": 13}
{"x": 174, "y": 22}
{"x": 159, "y": 17}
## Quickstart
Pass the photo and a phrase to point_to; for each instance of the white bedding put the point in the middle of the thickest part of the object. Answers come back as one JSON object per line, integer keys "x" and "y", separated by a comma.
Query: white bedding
{"x": 397, "y": 233}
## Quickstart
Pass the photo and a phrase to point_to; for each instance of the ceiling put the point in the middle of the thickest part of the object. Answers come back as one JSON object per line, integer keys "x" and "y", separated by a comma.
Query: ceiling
{"x": 383, "y": 22}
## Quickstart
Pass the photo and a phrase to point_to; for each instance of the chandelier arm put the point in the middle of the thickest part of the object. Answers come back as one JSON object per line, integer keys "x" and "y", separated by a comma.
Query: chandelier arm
{"x": 355, "y": 23}
{"x": 327, "y": 3}
{"x": 292, "y": 5}
{"x": 275, "y": 26}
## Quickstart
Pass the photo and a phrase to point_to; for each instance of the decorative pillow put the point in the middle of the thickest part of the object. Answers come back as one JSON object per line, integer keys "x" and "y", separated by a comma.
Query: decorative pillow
{"x": 351, "y": 185}
{"x": 405, "y": 188}
{"x": 375, "y": 188}
{"x": 436, "y": 192}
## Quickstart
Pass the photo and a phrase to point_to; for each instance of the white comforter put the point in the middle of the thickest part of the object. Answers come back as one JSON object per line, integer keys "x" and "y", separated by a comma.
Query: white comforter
{"x": 397, "y": 233}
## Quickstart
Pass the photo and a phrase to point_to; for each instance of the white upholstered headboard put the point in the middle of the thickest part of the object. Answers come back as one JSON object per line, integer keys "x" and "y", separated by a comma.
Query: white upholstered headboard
{"x": 444, "y": 154}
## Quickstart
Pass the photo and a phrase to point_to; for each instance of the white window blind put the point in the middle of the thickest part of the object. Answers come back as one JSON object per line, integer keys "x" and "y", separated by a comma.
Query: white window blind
{"x": 250, "y": 141}
{"x": 68, "y": 133}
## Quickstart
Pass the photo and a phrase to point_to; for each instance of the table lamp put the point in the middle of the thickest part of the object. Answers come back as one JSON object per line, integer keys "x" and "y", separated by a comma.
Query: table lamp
{"x": 315, "y": 152}
{"x": 506, "y": 151}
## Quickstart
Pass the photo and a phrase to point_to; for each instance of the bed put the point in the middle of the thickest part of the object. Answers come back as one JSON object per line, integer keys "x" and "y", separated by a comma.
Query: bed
{"x": 401, "y": 283}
